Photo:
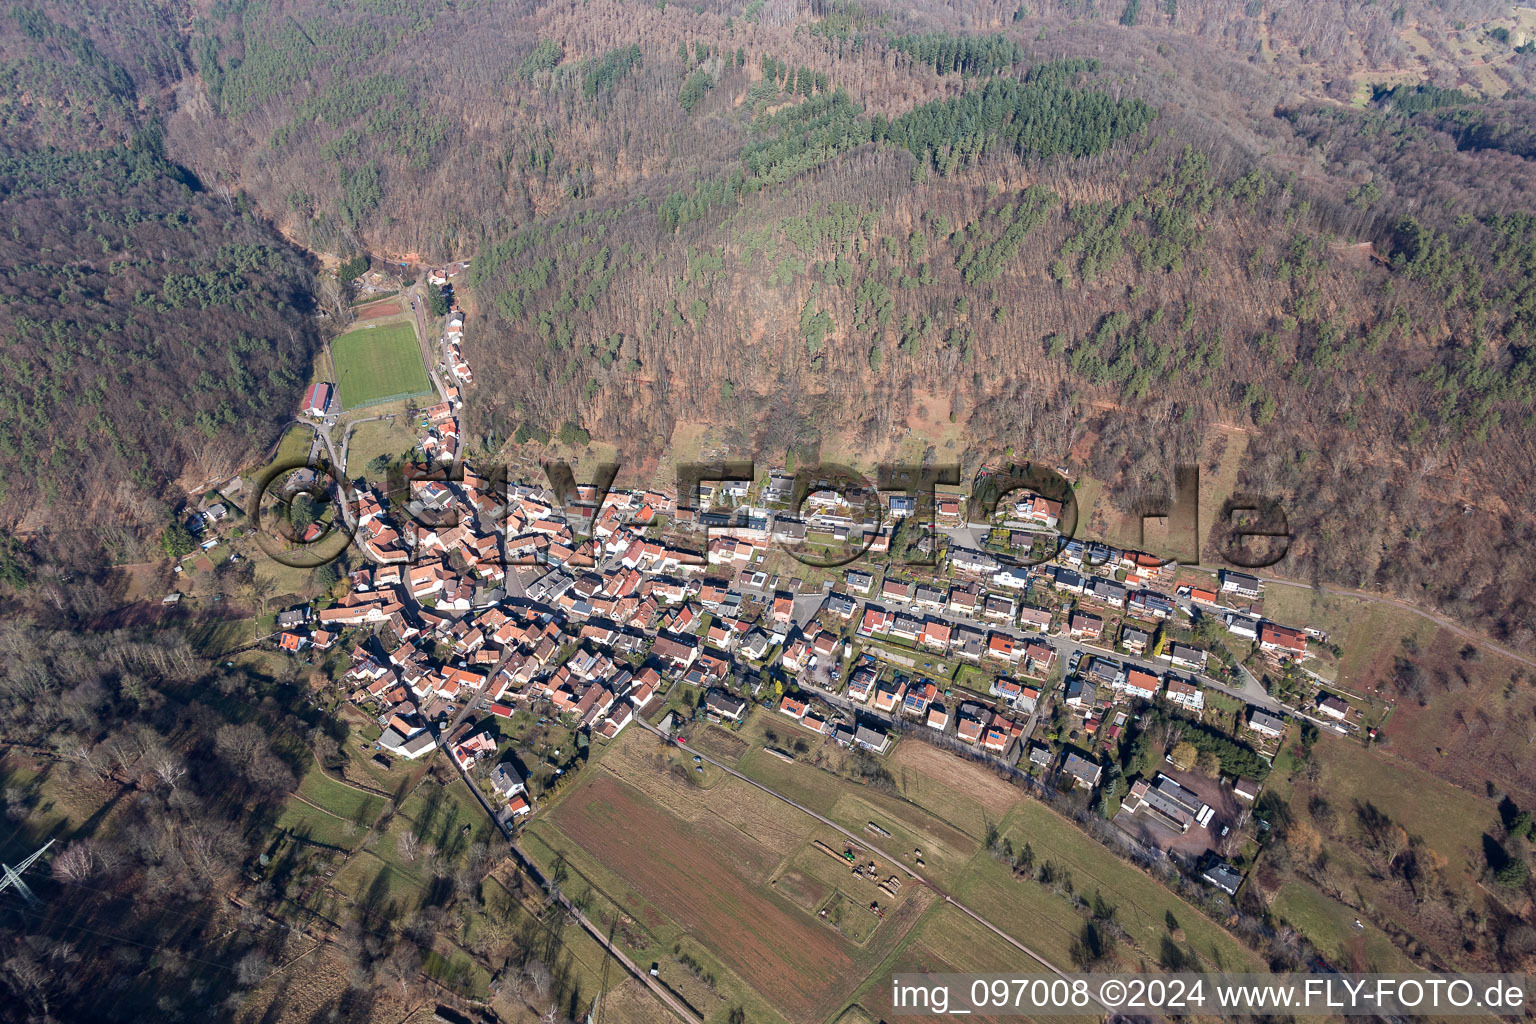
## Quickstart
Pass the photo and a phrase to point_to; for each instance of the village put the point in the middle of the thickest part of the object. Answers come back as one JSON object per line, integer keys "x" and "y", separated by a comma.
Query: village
{"x": 480, "y": 602}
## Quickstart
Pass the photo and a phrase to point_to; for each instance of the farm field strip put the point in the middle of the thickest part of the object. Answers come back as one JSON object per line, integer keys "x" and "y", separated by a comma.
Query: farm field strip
{"x": 685, "y": 878}
{"x": 762, "y": 941}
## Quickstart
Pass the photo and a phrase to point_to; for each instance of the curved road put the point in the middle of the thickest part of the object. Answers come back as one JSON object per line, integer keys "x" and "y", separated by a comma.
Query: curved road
{"x": 1435, "y": 617}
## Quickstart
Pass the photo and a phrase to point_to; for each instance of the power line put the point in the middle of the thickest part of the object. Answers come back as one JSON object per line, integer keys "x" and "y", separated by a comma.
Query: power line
{"x": 12, "y": 876}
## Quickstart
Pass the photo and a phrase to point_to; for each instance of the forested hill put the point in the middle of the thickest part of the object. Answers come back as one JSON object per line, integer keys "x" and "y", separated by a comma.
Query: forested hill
{"x": 1102, "y": 233}
{"x": 154, "y": 335}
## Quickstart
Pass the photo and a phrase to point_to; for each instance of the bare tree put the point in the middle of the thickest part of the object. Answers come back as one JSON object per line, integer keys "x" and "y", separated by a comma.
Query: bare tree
{"x": 77, "y": 862}
{"x": 167, "y": 767}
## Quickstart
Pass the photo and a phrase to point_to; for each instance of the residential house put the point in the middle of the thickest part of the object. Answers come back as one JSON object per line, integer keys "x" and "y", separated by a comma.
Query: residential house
{"x": 1186, "y": 657}
{"x": 1039, "y": 658}
{"x": 676, "y": 653}
{"x": 1223, "y": 876}
{"x": 998, "y": 607}
{"x": 889, "y": 693}
{"x": 1150, "y": 604}
{"x": 1141, "y": 684}
{"x": 1106, "y": 592}
{"x": 1185, "y": 693}
{"x": 871, "y": 739}
{"x": 1039, "y": 510}
{"x": 1083, "y": 771}
{"x": 968, "y": 560}
{"x": 723, "y": 706}
{"x": 1241, "y": 625}
{"x": 919, "y": 696}
{"x": 841, "y": 605}
{"x": 1011, "y": 577}
{"x": 1080, "y": 693}
{"x": 1037, "y": 619}
{"x": 755, "y": 645}
{"x": 1006, "y": 689}
{"x": 1333, "y": 707}
{"x": 929, "y": 597}
{"x": 1001, "y": 647}
{"x": 936, "y": 634}
{"x": 1266, "y": 724}
{"x": 1083, "y": 626}
{"x": 416, "y": 746}
{"x": 999, "y": 735}
{"x": 876, "y": 620}
{"x": 969, "y": 723}
{"x": 507, "y": 780}
{"x": 1283, "y": 641}
{"x": 1241, "y": 584}
{"x": 783, "y": 609}
{"x": 1067, "y": 579}
{"x": 1105, "y": 674}
{"x": 862, "y": 683}
{"x": 964, "y": 599}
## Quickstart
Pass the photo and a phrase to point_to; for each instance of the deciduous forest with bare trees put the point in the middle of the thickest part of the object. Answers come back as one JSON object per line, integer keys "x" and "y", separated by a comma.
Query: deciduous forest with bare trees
{"x": 1123, "y": 222}
{"x": 1099, "y": 232}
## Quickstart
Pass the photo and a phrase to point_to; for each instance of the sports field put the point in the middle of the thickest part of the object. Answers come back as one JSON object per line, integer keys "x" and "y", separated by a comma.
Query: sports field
{"x": 379, "y": 362}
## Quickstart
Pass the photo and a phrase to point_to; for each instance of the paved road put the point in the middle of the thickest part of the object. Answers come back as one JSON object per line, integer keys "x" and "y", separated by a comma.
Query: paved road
{"x": 1251, "y": 693}
{"x": 661, "y": 992}
{"x": 532, "y": 869}
{"x": 346, "y": 440}
{"x": 1435, "y": 617}
{"x": 864, "y": 842}
{"x": 417, "y": 296}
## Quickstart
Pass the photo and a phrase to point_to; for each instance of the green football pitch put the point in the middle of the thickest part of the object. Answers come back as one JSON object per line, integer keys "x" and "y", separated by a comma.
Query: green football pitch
{"x": 374, "y": 363}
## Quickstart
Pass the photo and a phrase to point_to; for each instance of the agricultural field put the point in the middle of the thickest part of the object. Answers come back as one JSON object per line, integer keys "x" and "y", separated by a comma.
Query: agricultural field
{"x": 970, "y": 795}
{"x": 673, "y": 872}
{"x": 379, "y": 308}
{"x": 724, "y": 885}
{"x": 374, "y": 363}
{"x": 695, "y": 864}
{"x": 946, "y": 942}
{"x": 293, "y": 446}
{"x": 936, "y": 803}
{"x": 720, "y": 743}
